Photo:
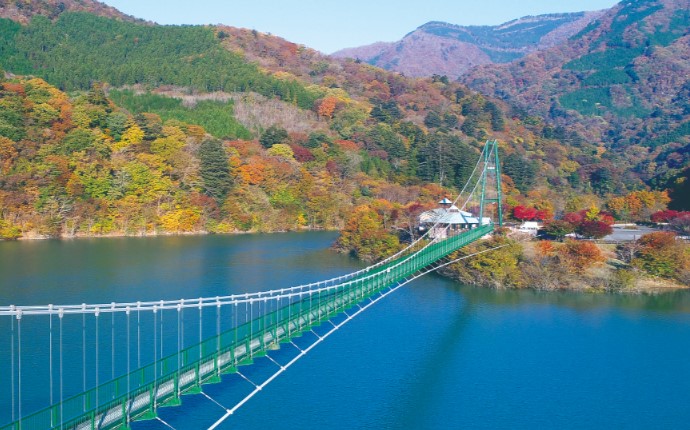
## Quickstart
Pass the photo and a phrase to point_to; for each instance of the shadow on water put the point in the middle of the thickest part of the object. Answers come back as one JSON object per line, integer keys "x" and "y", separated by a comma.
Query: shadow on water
{"x": 676, "y": 301}
{"x": 421, "y": 392}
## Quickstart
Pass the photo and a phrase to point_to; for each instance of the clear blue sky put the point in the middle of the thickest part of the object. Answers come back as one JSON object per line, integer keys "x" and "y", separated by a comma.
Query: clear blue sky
{"x": 329, "y": 25}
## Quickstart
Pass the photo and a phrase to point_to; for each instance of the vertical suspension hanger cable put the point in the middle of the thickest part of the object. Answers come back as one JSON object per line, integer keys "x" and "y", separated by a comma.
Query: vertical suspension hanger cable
{"x": 83, "y": 354}
{"x": 264, "y": 316}
{"x": 275, "y": 321}
{"x": 50, "y": 357}
{"x": 96, "y": 313}
{"x": 279, "y": 309}
{"x": 138, "y": 335}
{"x": 129, "y": 390}
{"x": 217, "y": 325}
{"x": 129, "y": 345}
{"x": 181, "y": 326}
{"x": 246, "y": 317}
{"x": 62, "y": 419}
{"x": 260, "y": 323}
{"x": 201, "y": 320}
{"x": 155, "y": 356}
{"x": 235, "y": 312}
{"x": 161, "y": 337}
{"x": 179, "y": 311}
{"x": 289, "y": 324}
{"x": 218, "y": 336}
{"x": 12, "y": 364}
{"x": 19, "y": 366}
{"x": 112, "y": 341}
{"x": 276, "y": 317}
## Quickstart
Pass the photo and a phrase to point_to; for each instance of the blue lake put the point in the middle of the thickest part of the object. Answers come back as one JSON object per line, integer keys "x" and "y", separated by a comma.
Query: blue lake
{"x": 433, "y": 355}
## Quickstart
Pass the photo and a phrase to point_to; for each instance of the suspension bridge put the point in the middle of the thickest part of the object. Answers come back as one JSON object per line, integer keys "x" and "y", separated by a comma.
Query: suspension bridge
{"x": 137, "y": 357}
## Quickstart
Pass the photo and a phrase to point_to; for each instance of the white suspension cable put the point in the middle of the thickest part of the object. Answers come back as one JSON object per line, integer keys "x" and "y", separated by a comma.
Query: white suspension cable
{"x": 164, "y": 423}
{"x": 320, "y": 339}
{"x": 213, "y": 400}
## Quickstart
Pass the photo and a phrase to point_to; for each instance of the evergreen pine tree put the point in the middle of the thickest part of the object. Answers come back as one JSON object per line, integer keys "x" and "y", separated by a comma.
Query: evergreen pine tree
{"x": 214, "y": 169}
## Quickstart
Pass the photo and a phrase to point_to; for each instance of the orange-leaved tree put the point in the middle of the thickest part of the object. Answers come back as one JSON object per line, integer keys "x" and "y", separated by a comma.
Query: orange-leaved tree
{"x": 581, "y": 255}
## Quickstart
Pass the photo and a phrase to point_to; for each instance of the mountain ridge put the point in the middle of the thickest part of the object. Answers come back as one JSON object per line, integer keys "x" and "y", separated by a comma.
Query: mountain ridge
{"x": 624, "y": 81}
{"x": 452, "y": 50}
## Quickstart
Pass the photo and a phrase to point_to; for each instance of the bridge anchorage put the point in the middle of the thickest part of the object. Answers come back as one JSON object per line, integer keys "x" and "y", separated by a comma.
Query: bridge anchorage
{"x": 174, "y": 347}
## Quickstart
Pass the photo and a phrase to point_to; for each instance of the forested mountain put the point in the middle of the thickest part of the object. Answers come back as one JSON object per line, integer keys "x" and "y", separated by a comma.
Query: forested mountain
{"x": 623, "y": 81}
{"x": 144, "y": 128}
{"x": 439, "y": 48}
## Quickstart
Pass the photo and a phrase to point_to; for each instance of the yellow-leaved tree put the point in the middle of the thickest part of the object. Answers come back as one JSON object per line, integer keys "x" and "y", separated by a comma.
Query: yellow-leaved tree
{"x": 134, "y": 135}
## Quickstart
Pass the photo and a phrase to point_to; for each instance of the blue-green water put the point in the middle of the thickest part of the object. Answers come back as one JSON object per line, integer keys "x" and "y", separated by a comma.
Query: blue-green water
{"x": 433, "y": 355}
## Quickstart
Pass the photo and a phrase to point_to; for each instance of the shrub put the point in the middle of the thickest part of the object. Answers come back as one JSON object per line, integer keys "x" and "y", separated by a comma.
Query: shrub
{"x": 581, "y": 255}
{"x": 661, "y": 255}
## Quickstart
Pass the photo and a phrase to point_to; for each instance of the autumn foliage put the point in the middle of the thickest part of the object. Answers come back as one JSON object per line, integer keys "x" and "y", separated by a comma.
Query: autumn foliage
{"x": 668, "y": 215}
{"x": 661, "y": 254}
{"x": 581, "y": 255}
{"x": 524, "y": 213}
{"x": 365, "y": 236}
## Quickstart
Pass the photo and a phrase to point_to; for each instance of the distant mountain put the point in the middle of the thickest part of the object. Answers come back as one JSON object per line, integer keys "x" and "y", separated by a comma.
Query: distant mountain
{"x": 439, "y": 48}
{"x": 22, "y": 11}
{"x": 624, "y": 80}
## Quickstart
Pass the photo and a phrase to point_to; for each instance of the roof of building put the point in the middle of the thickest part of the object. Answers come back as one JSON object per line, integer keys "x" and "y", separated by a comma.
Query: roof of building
{"x": 452, "y": 215}
{"x": 445, "y": 201}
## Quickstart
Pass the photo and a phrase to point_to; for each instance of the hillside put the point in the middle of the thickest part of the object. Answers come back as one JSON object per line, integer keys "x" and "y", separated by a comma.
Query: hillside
{"x": 439, "y": 48}
{"x": 623, "y": 81}
{"x": 292, "y": 138}
{"x": 76, "y": 166}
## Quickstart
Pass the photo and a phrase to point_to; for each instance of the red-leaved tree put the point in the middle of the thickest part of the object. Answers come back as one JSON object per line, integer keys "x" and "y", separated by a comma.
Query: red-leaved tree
{"x": 664, "y": 216}
{"x": 524, "y": 213}
{"x": 574, "y": 218}
{"x": 594, "y": 229}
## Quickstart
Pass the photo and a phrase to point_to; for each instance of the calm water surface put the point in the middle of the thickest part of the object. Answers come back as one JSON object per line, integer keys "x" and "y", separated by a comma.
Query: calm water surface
{"x": 434, "y": 355}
